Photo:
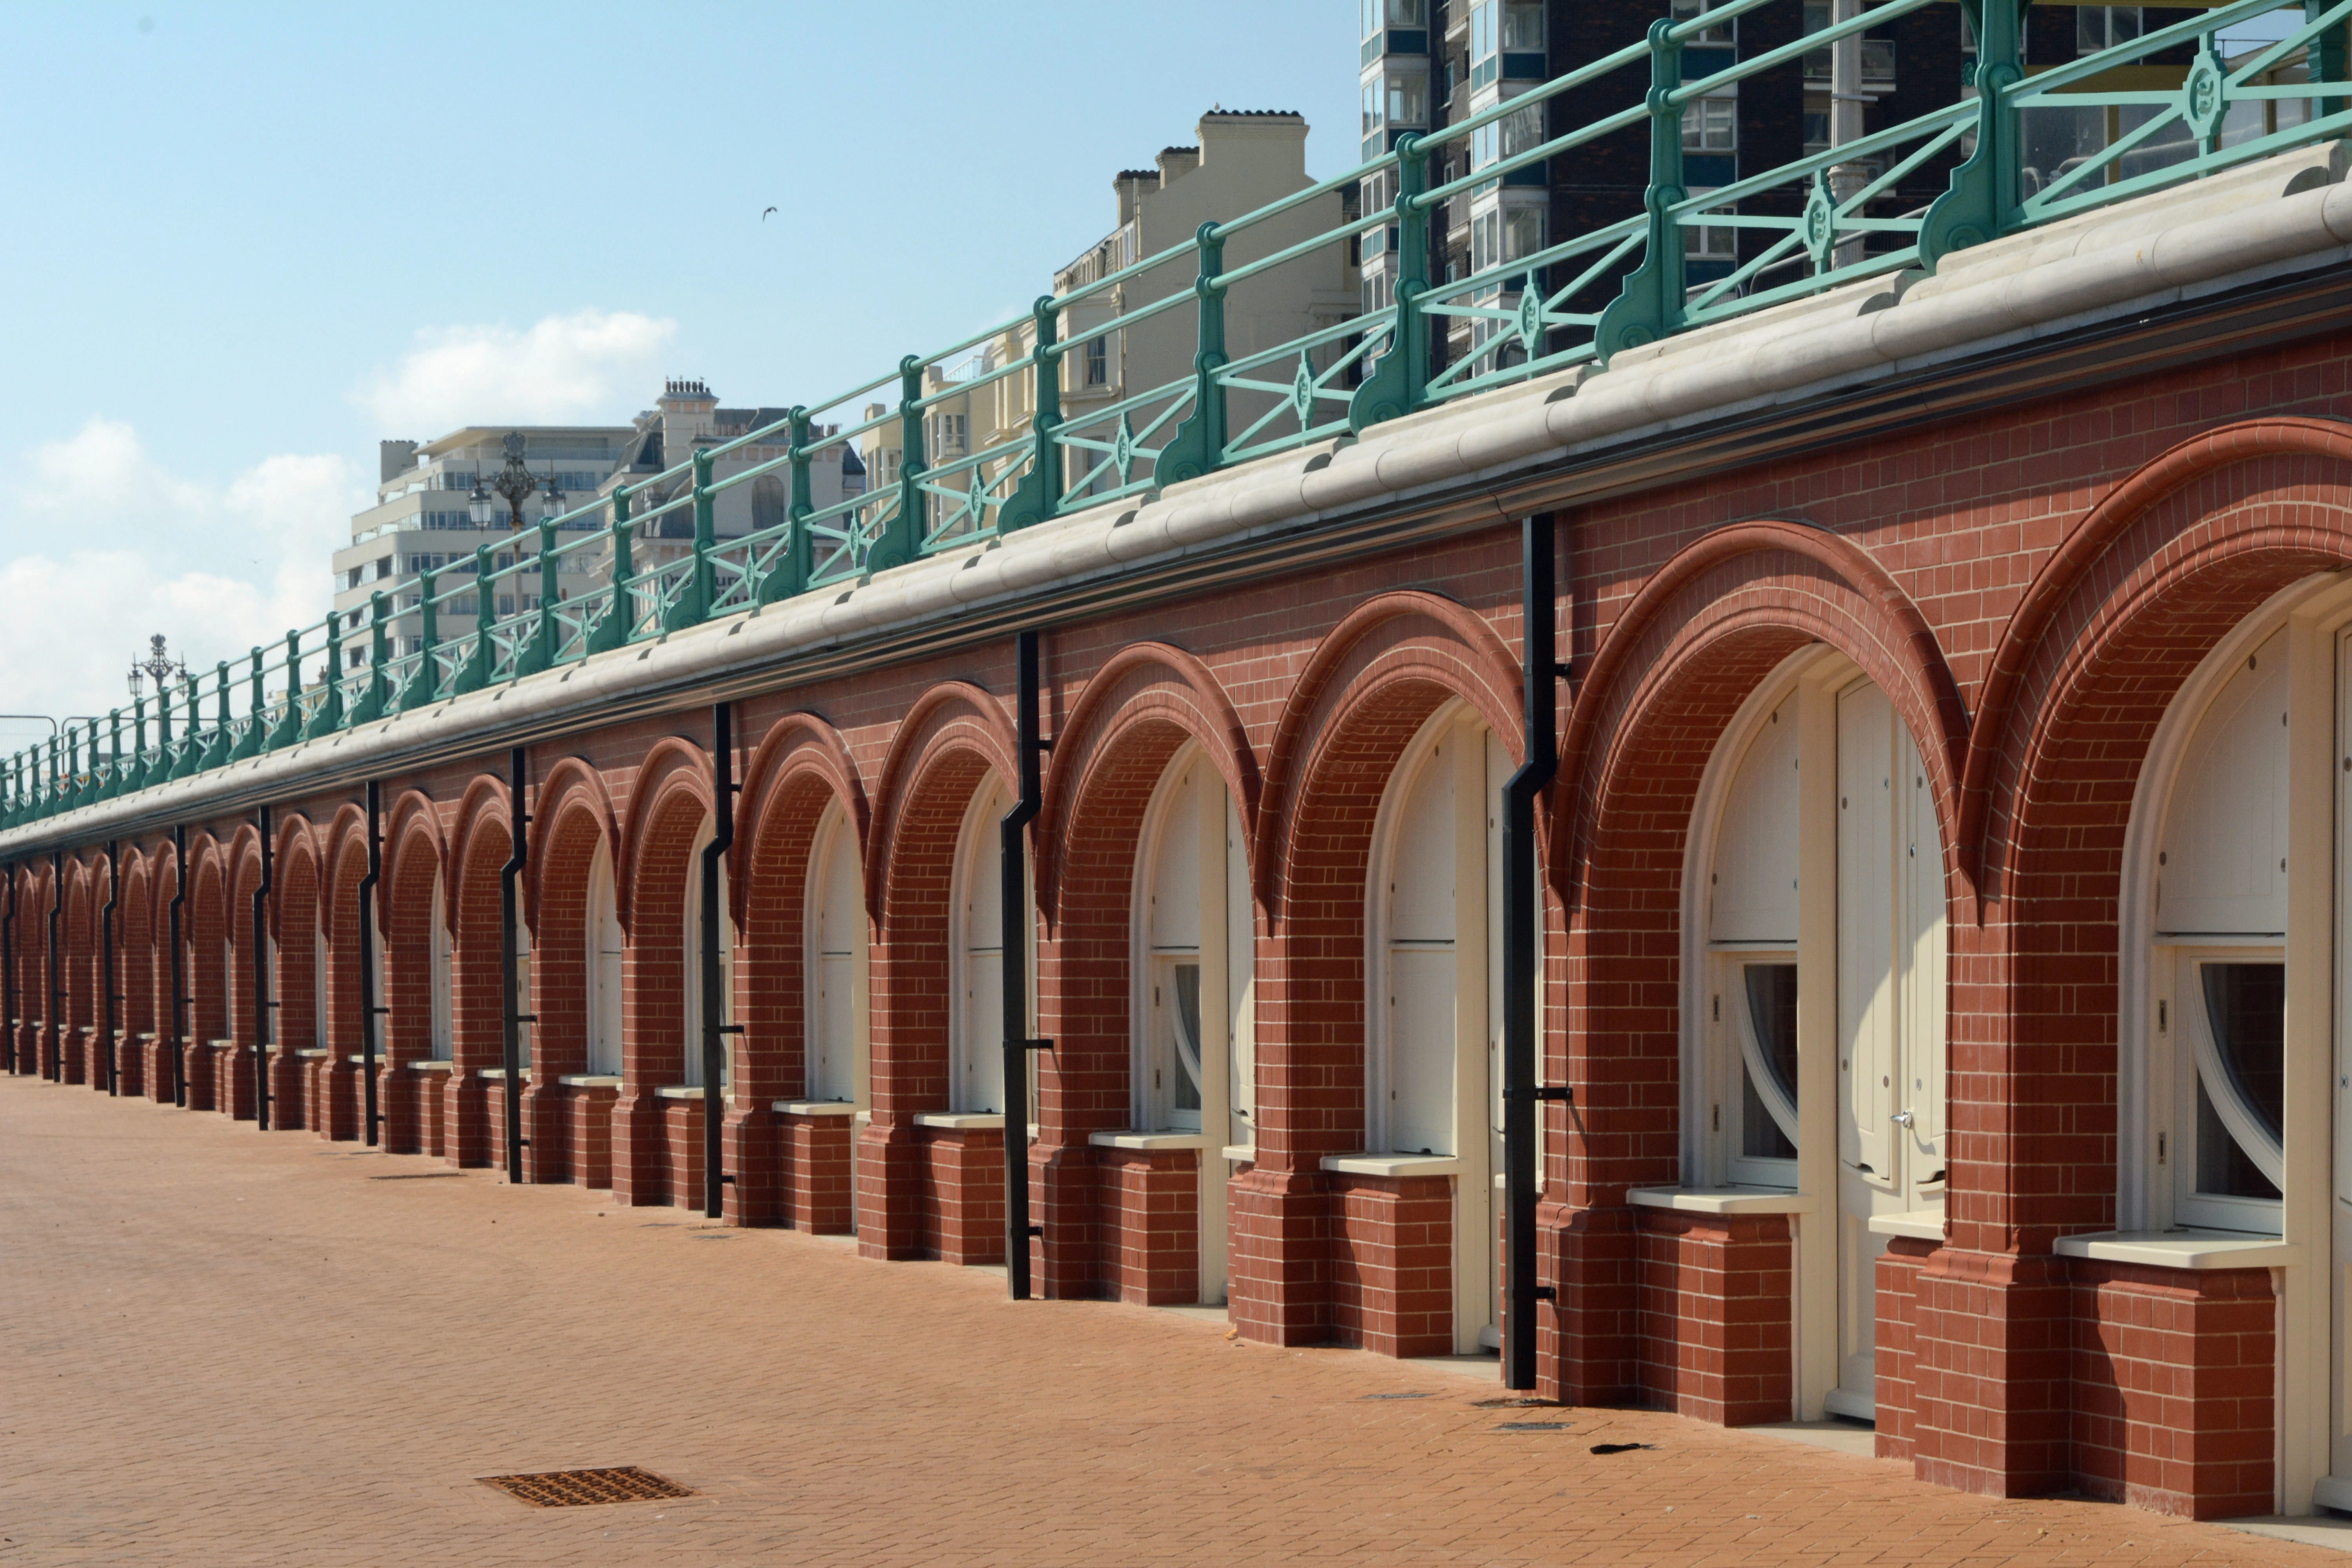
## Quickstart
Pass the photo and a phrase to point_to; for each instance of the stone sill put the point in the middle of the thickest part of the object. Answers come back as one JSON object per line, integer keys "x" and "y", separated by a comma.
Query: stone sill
{"x": 310, "y": 1056}
{"x": 1148, "y": 1142}
{"x": 815, "y": 1107}
{"x": 1393, "y": 1165}
{"x": 431, "y": 1066}
{"x": 590, "y": 1080}
{"x": 2183, "y": 1249}
{"x": 1241, "y": 1153}
{"x": 1917, "y": 1224}
{"x": 962, "y": 1121}
{"x": 678, "y": 1092}
{"x": 500, "y": 1073}
{"x": 1720, "y": 1200}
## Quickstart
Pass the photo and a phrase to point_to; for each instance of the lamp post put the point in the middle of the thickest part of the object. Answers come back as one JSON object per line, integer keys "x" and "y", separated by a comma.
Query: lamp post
{"x": 159, "y": 667}
{"x": 513, "y": 485}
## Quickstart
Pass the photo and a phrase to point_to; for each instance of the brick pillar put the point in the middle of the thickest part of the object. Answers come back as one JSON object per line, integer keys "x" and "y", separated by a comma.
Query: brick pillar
{"x": 640, "y": 1149}
{"x": 681, "y": 1132}
{"x": 232, "y": 1079}
{"x": 466, "y": 1138}
{"x": 395, "y": 1102}
{"x": 963, "y": 1177}
{"x": 752, "y": 1144}
{"x": 591, "y": 1148}
{"x": 1714, "y": 1292}
{"x": 1991, "y": 1369}
{"x": 889, "y": 1220}
{"x": 196, "y": 1061}
{"x": 816, "y": 1171}
{"x": 1897, "y": 1292}
{"x": 1281, "y": 1247}
{"x": 75, "y": 1045}
{"x": 1151, "y": 1225}
{"x": 1587, "y": 1336}
{"x": 131, "y": 1064}
{"x": 546, "y": 1129}
{"x": 1071, "y": 1194}
{"x": 287, "y": 1072}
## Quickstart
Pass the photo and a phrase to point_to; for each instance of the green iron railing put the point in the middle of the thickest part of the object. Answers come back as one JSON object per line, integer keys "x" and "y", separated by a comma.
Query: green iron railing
{"x": 2011, "y": 150}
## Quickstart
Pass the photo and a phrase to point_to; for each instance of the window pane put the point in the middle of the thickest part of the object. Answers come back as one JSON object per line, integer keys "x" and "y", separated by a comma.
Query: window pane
{"x": 2246, "y": 1004}
{"x": 1772, "y": 1014}
{"x": 2222, "y": 1166}
{"x": 1186, "y": 1087}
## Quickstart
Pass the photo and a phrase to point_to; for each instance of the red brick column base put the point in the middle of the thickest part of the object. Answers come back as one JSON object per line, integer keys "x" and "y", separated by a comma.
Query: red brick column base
{"x": 1281, "y": 1276}
{"x": 1713, "y": 1293}
{"x": 591, "y": 1132}
{"x": 1991, "y": 1363}
{"x": 890, "y": 1210}
{"x": 1071, "y": 1196}
{"x": 815, "y": 1156}
{"x": 1588, "y": 1347}
{"x": 1392, "y": 1264}
{"x": 2173, "y": 1379}
{"x": 751, "y": 1143}
{"x": 1897, "y": 1289}
{"x": 640, "y": 1149}
{"x": 546, "y": 1130}
{"x": 1151, "y": 1225}
{"x": 962, "y": 1194}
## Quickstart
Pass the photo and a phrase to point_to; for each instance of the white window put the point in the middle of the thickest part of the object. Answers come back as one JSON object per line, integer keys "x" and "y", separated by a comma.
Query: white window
{"x": 2219, "y": 969}
{"x": 693, "y": 1076}
{"x": 835, "y": 924}
{"x": 1709, "y": 242}
{"x": 1687, "y": 10}
{"x": 604, "y": 958}
{"x": 1099, "y": 361}
{"x": 2100, "y": 28}
{"x": 1711, "y": 125}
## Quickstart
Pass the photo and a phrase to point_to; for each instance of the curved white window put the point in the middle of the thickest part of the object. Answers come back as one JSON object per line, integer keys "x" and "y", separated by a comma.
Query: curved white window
{"x": 835, "y": 930}
{"x": 692, "y": 1074}
{"x": 606, "y": 953}
{"x": 444, "y": 957}
{"x": 2219, "y": 966}
{"x": 1751, "y": 906}
{"x": 976, "y": 956}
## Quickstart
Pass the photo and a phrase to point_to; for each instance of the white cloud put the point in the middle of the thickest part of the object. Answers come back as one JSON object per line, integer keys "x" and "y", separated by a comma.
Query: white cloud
{"x": 113, "y": 547}
{"x": 563, "y": 368}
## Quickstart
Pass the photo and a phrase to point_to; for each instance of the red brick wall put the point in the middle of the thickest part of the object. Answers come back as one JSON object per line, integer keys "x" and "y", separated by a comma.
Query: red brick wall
{"x": 1714, "y": 1296}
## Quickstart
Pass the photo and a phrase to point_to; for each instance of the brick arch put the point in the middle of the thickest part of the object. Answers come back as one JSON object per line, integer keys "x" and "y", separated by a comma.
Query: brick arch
{"x": 342, "y": 839}
{"x": 1141, "y": 692}
{"x": 2115, "y": 651}
{"x": 478, "y": 847}
{"x": 134, "y": 926}
{"x": 411, "y": 827}
{"x": 1821, "y": 587}
{"x": 77, "y": 943}
{"x": 243, "y": 881}
{"x": 671, "y": 765}
{"x": 665, "y": 816}
{"x": 295, "y": 912}
{"x": 204, "y": 928}
{"x": 2054, "y": 610}
{"x": 482, "y": 812}
{"x": 415, "y": 852}
{"x": 1405, "y": 642}
{"x": 294, "y": 833}
{"x": 572, "y": 791}
{"x": 952, "y": 716}
{"x": 572, "y": 815}
{"x": 800, "y": 768}
{"x": 342, "y": 866}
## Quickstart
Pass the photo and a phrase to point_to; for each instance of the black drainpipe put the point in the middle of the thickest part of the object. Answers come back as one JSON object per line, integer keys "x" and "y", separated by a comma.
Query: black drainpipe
{"x": 518, "y": 856}
{"x": 179, "y": 974}
{"x": 261, "y": 1002}
{"x": 369, "y": 1011}
{"x": 714, "y": 1028}
{"x": 1016, "y": 921}
{"x": 55, "y": 974}
{"x": 8, "y": 973}
{"x": 106, "y": 963}
{"x": 1523, "y": 955}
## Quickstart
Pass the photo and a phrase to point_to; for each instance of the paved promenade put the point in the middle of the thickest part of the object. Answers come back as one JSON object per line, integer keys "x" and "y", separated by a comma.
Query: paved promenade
{"x": 222, "y": 1347}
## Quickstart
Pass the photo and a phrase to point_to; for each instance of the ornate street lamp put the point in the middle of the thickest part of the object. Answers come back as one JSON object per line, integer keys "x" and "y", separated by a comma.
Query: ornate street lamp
{"x": 513, "y": 484}
{"x": 159, "y": 667}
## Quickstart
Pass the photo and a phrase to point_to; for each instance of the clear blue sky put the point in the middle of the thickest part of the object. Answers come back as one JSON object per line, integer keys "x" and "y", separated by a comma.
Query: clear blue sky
{"x": 248, "y": 241}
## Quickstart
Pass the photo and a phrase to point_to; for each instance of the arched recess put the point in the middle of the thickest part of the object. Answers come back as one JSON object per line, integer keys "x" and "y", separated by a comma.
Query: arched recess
{"x": 577, "y": 945}
{"x": 1409, "y": 639}
{"x": 344, "y": 865}
{"x": 670, "y": 806}
{"x": 954, "y": 717}
{"x": 1673, "y": 670}
{"x": 1147, "y": 693}
{"x": 804, "y": 806}
{"x": 134, "y": 925}
{"x": 203, "y": 930}
{"x": 297, "y": 972}
{"x": 414, "y": 921}
{"x": 237, "y": 926}
{"x": 480, "y": 841}
{"x": 78, "y": 945}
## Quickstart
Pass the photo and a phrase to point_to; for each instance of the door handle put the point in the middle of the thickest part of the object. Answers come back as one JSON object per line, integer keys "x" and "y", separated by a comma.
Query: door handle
{"x": 1901, "y": 1118}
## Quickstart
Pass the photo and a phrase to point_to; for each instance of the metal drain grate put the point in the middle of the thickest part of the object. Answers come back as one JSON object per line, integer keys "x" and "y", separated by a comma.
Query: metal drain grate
{"x": 578, "y": 1489}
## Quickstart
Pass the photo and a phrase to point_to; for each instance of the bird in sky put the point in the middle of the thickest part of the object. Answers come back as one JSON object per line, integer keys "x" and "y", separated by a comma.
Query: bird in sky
{"x": 763, "y": 217}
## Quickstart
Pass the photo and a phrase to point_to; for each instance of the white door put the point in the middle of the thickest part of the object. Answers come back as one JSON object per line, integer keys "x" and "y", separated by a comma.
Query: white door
{"x": 832, "y": 966}
{"x": 692, "y": 1074}
{"x": 1419, "y": 1090}
{"x": 977, "y": 949}
{"x": 1890, "y": 1009}
{"x": 606, "y": 954}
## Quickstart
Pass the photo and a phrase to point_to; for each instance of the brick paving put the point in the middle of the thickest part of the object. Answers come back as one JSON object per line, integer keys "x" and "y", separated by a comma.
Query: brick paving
{"x": 226, "y": 1347}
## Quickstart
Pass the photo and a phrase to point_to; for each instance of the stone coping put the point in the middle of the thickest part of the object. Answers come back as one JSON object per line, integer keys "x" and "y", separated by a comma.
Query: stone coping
{"x": 962, "y": 1121}
{"x": 1393, "y": 1165}
{"x": 1917, "y": 1224}
{"x": 2183, "y": 1249}
{"x": 815, "y": 1106}
{"x": 433, "y": 1064}
{"x": 1720, "y": 1200}
{"x": 316, "y": 1054}
{"x": 590, "y": 1080}
{"x": 1150, "y": 1141}
{"x": 1241, "y": 1153}
{"x": 500, "y": 1073}
{"x": 678, "y": 1092}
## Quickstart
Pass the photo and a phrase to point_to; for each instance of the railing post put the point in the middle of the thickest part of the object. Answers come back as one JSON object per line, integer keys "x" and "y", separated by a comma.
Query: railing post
{"x": 2329, "y": 54}
{"x": 475, "y": 673}
{"x": 693, "y": 605}
{"x": 330, "y": 716}
{"x": 136, "y": 777}
{"x": 902, "y": 536}
{"x": 161, "y": 769}
{"x": 378, "y": 699}
{"x": 113, "y": 786}
{"x": 789, "y": 575}
{"x": 215, "y": 753}
{"x": 290, "y": 728}
{"x": 613, "y": 630}
{"x": 1198, "y": 446}
{"x": 1038, "y": 496}
{"x": 1395, "y": 387}
{"x": 1983, "y": 190}
{"x": 426, "y": 684}
{"x": 1650, "y": 304}
{"x": 540, "y": 652}
{"x": 255, "y": 730}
